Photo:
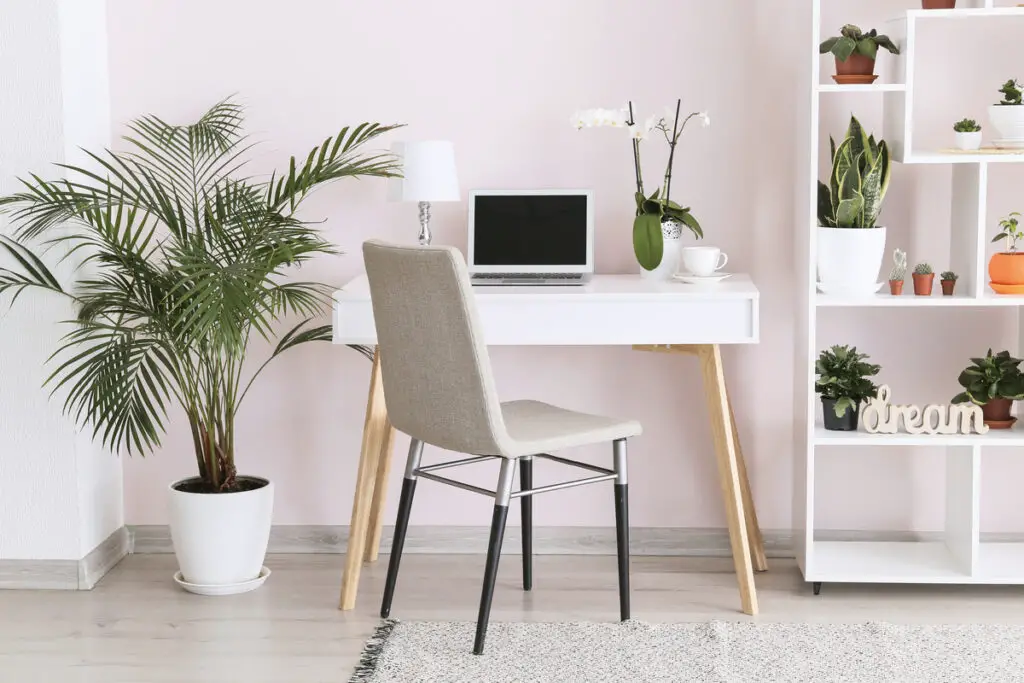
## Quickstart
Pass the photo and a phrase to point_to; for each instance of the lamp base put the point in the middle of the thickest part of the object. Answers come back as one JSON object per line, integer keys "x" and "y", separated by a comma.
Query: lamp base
{"x": 425, "y": 235}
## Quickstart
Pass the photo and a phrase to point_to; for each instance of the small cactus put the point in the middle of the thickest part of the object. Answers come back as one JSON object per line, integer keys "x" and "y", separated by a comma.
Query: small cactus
{"x": 923, "y": 269}
{"x": 899, "y": 269}
{"x": 949, "y": 276}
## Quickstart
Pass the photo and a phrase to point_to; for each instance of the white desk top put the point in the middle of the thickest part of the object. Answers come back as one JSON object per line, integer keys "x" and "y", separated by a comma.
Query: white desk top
{"x": 609, "y": 310}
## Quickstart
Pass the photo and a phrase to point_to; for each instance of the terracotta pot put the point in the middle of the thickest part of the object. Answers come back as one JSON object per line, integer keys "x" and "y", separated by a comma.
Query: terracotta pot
{"x": 923, "y": 284}
{"x": 938, "y": 4}
{"x": 895, "y": 287}
{"x": 947, "y": 287}
{"x": 997, "y": 413}
{"x": 856, "y": 65}
{"x": 1007, "y": 268}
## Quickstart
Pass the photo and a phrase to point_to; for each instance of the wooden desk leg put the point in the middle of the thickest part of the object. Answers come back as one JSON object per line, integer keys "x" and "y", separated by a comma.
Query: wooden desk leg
{"x": 369, "y": 456}
{"x": 750, "y": 512}
{"x": 380, "y": 493}
{"x": 728, "y": 471}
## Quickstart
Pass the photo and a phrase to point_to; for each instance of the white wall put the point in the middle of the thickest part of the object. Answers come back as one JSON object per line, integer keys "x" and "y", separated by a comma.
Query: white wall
{"x": 60, "y": 495}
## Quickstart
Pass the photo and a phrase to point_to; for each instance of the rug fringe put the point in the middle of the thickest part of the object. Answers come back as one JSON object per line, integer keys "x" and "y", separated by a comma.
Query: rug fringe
{"x": 372, "y": 651}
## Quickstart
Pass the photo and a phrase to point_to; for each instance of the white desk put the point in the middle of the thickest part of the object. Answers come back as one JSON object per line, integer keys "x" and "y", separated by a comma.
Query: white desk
{"x": 611, "y": 310}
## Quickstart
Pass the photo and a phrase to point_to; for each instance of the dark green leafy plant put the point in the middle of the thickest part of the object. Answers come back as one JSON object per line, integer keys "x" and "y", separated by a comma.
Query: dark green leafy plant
{"x": 183, "y": 260}
{"x": 1010, "y": 231}
{"x": 852, "y": 40}
{"x": 949, "y": 276}
{"x": 967, "y": 126}
{"x": 843, "y": 377}
{"x": 923, "y": 269}
{"x": 991, "y": 377}
{"x": 861, "y": 171}
{"x": 1012, "y": 93}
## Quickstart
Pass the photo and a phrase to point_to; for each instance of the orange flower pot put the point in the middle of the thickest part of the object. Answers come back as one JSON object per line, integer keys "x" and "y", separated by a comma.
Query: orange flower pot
{"x": 923, "y": 284}
{"x": 895, "y": 287}
{"x": 1007, "y": 268}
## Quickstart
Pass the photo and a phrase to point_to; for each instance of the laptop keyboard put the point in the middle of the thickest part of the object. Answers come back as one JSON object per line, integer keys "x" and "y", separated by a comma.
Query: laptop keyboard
{"x": 527, "y": 276}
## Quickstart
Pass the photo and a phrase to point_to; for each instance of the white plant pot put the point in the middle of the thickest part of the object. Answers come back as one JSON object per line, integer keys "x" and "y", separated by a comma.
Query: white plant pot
{"x": 1008, "y": 120}
{"x": 671, "y": 233}
{"x": 968, "y": 141}
{"x": 849, "y": 259}
{"x": 220, "y": 539}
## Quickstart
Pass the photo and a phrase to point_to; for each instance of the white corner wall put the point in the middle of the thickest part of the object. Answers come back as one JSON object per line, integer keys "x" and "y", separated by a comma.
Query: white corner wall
{"x": 60, "y": 494}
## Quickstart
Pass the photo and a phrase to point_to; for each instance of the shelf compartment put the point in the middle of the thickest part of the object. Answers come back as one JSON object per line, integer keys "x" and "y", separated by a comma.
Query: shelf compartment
{"x": 995, "y": 437}
{"x": 885, "y": 562}
{"x": 939, "y": 157}
{"x": 862, "y": 88}
{"x": 886, "y": 300}
{"x": 1000, "y": 563}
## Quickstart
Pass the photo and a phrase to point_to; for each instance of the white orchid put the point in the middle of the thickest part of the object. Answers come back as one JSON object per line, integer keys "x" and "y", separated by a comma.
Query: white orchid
{"x": 600, "y": 118}
{"x": 705, "y": 119}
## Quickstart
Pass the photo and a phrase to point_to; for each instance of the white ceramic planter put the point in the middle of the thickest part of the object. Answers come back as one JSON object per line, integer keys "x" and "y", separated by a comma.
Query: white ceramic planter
{"x": 220, "y": 539}
{"x": 849, "y": 259}
{"x": 672, "y": 234}
{"x": 968, "y": 141}
{"x": 1008, "y": 120}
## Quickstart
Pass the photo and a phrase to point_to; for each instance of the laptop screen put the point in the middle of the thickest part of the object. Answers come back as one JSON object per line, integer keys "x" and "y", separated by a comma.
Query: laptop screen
{"x": 530, "y": 230}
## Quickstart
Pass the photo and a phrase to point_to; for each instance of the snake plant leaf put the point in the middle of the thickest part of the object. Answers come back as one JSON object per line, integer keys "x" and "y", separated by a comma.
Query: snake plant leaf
{"x": 858, "y": 137}
{"x": 826, "y": 213}
{"x": 648, "y": 242}
{"x": 871, "y": 190}
{"x": 843, "y": 161}
{"x": 851, "y": 201}
{"x": 831, "y": 148}
{"x": 843, "y": 48}
{"x": 886, "y": 158}
{"x": 868, "y": 47}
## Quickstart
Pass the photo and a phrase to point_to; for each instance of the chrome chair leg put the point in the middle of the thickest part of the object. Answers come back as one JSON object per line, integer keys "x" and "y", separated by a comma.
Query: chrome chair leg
{"x": 412, "y": 463}
{"x": 502, "y": 497}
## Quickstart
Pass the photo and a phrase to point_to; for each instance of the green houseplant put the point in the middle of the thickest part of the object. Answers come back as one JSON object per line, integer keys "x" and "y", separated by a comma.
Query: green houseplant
{"x": 948, "y": 282}
{"x": 1006, "y": 268}
{"x": 1007, "y": 115}
{"x": 994, "y": 383}
{"x": 898, "y": 272}
{"x": 855, "y": 52}
{"x": 851, "y": 245}
{"x": 924, "y": 279}
{"x": 968, "y": 134}
{"x": 184, "y": 261}
{"x": 843, "y": 384}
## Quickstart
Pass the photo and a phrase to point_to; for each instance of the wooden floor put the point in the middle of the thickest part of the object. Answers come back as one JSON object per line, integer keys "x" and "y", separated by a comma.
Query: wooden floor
{"x": 138, "y": 627}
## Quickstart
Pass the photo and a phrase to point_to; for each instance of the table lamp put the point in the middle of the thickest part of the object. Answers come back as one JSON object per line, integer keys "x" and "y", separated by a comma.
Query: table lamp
{"x": 428, "y": 175}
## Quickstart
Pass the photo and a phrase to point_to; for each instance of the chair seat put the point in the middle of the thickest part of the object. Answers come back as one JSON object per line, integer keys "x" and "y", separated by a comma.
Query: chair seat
{"x": 537, "y": 427}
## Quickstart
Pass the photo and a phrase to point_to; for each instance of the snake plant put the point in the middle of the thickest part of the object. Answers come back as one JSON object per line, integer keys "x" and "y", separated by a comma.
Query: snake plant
{"x": 861, "y": 170}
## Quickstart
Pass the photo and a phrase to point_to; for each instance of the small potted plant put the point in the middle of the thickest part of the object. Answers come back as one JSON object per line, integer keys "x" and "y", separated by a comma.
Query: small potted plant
{"x": 898, "y": 272}
{"x": 948, "y": 281}
{"x": 924, "y": 278}
{"x": 968, "y": 134}
{"x": 843, "y": 385}
{"x": 938, "y": 4}
{"x": 994, "y": 383}
{"x": 855, "y": 53}
{"x": 1007, "y": 115}
{"x": 1006, "y": 268}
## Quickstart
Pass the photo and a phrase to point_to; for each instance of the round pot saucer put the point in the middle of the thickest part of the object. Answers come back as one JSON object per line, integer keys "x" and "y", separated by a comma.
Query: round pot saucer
{"x": 855, "y": 79}
{"x": 225, "y": 589}
{"x": 1001, "y": 424}
{"x": 999, "y": 288}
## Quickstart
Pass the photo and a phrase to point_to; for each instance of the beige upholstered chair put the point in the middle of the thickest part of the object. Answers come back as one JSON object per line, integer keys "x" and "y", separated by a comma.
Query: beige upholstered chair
{"x": 439, "y": 390}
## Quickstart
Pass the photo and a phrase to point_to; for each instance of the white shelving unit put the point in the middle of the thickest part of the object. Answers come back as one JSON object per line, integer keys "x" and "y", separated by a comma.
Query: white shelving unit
{"x": 960, "y": 557}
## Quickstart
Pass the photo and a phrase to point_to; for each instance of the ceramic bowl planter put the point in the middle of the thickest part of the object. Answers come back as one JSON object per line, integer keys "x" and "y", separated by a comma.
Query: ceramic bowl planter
{"x": 220, "y": 539}
{"x": 968, "y": 141}
{"x": 1008, "y": 120}
{"x": 923, "y": 284}
{"x": 938, "y": 4}
{"x": 833, "y": 423}
{"x": 997, "y": 413}
{"x": 1006, "y": 272}
{"x": 849, "y": 259}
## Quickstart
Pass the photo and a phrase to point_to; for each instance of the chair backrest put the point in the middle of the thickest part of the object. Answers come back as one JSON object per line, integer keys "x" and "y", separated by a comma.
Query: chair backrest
{"x": 437, "y": 375}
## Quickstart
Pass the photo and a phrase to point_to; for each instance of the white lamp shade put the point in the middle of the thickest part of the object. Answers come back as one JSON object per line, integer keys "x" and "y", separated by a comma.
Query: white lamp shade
{"x": 428, "y": 170}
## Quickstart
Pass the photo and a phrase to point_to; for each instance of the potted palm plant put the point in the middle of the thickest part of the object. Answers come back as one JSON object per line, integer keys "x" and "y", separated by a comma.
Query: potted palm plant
{"x": 851, "y": 245}
{"x": 184, "y": 260}
{"x": 994, "y": 383}
{"x": 844, "y": 383}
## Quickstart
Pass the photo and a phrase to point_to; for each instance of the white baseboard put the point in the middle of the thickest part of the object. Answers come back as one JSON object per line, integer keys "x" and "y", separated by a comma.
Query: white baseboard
{"x": 80, "y": 574}
{"x": 546, "y": 540}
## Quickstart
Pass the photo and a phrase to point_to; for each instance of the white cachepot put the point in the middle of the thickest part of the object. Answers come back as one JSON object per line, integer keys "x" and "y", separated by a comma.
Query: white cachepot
{"x": 220, "y": 539}
{"x": 849, "y": 259}
{"x": 968, "y": 141}
{"x": 1008, "y": 120}
{"x": 672, "y": 234}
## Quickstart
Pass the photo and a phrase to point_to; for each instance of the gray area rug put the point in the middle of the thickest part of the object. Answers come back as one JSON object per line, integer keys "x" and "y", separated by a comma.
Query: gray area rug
{"x": 717, "y": 652}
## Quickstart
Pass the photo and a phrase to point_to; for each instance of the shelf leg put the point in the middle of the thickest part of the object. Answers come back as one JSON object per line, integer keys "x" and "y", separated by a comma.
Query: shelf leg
{"x": 816, "y": 587}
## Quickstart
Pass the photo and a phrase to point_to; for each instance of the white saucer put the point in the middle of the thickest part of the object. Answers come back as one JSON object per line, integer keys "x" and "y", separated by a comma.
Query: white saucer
{"x": 692, "y": 279}
{"x": 847, "y": 291}
{"x": 1009, "y": 144}
{"x": 229, "y": 589}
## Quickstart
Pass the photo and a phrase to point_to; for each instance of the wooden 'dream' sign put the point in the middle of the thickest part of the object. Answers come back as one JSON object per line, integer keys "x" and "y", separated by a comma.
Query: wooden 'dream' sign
{"x": 958, "y": 418}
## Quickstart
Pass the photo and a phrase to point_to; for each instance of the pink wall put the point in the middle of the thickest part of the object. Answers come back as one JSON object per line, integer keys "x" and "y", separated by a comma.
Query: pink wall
{"x": 501, "y": 81}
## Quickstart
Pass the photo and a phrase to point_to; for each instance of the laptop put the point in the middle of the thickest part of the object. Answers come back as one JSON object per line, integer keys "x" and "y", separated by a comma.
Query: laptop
{"x": 531, "y": 237}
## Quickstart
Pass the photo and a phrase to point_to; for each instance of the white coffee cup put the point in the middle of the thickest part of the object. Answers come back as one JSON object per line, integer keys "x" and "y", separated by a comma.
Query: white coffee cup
{"x": 704, "y": 261}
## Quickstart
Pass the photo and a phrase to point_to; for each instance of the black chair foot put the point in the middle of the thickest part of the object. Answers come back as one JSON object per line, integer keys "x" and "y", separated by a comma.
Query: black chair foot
{"x": 490, "y": 575}
{"x": 526, "y": 503}
{"x": 816, "y": 587}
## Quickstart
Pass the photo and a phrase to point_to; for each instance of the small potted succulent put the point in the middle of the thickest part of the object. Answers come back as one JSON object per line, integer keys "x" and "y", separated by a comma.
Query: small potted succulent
{"x": 924, "y": 278}
{"x": 855, "y": 53}
{"x": 938, "y": 4}
{"x": 1006, "y": 268}
{"x": 1007, "y": 115}
{"x": 948, "y": 281}
{"x": 843, "y": 384}
{"x": 994, "y": 383}
{"x": 968, "y": 134}
{"x": 898, "y": 272}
